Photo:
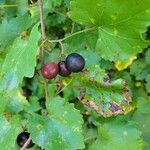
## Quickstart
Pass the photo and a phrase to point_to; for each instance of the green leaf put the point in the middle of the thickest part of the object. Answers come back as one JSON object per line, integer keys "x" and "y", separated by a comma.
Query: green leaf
{"x": 34, "y": 105}
{"x": 82, "y": 41}
{"x": 3, "y": 101}
{"x": 54, "y": 20}
{"x": 12, "y": 101}
{"x": 48, "y": 7}
{"x": 2, "y": 1}
{"x": 16, "y": 102}
{"x": 51, "y": 3}
{"x": 13, "y": 28}
{"x": 137, "y": 68}
{"x": 2, "y": 57}
{"x": 87, "y": 12}
{"x": 21, "y": 7}
{"x": 9, "y": 132}
{"x": 141, "y": 117}
{"x": 20, "y": 61}
{"x": 99, "y": 93}
{"x": 147, "y": 56}
{"x": 119, "y": 27}
{"x": 118, "y": 135}
{"x": 61, "y": 130}
{"x": 148, "y": 84}
{"x": 89, "y": 134}
{"x": 55, "y": 2}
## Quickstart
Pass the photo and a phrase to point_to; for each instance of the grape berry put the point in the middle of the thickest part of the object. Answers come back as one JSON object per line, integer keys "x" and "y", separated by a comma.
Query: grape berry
{"x": 73, "y": 63}
{"x": 22, "y": 139}
{"x": 63, "y": 71}
{"x": 49, "y": 70}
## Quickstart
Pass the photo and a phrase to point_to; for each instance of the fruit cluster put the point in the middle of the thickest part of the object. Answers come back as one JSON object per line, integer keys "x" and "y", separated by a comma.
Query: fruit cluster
{"x": 73, "y": 63}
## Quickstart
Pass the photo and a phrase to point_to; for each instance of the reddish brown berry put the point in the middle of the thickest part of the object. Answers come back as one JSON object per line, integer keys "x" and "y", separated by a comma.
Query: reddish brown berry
{"x": 63, "y": 71}
{"x": 49, "y": 70}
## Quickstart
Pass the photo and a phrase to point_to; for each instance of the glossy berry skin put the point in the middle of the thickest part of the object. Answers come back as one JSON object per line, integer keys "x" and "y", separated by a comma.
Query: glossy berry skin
{"x": 49, "y": 70}
{"x": 22, "y": 139}
{"x": 75, "y": 62}
{"x": 63, "y": 71}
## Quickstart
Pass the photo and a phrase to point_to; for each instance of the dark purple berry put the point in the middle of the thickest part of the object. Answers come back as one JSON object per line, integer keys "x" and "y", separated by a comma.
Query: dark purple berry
{"x": 75, "y": 62}
{"x": 22, "y": 139}
{"x": 63, "y": 71}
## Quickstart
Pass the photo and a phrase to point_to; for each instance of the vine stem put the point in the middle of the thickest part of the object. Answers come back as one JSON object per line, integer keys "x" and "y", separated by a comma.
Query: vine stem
{"x": 60, "y": 41}
{"x": 62, "y": 48}
{"x": 4, "y": 6}
{"x": 40, "y": 4}
{"x": 88, "y": 138}
{"x": 71, "y": 35}
{"x": 43, "y": 34}
{"x": 63, "y": 87}
{"x": 26, "y": 144}
{"x": 16, "y": 5}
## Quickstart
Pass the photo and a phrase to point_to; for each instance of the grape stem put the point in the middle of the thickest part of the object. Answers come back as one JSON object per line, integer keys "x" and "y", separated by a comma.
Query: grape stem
{"x": 60, "y": 41}
{"x": 73, "y": 34}
{"x": 43, "y": 34}
{"x": 16, "y": 5}
{"x": 40, "y": 4}
{"x": 64, "y": 87}
{"x": 62, "y": 48}
{"x": 26, "y": 144}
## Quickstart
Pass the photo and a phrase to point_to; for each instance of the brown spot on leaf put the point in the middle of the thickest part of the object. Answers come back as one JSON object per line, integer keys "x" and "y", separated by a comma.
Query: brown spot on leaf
{"x": 126, "y": 93}
{"x": 114, "y": 107}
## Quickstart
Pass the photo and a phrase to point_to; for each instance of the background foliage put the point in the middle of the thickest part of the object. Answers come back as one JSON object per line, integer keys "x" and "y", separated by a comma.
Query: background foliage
{"x": 105, "y": 107}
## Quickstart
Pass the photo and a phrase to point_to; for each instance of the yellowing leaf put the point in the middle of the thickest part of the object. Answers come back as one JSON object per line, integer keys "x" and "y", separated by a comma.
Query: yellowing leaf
{"x": 106, "y": 97}
{"x": 121, "y": 65}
